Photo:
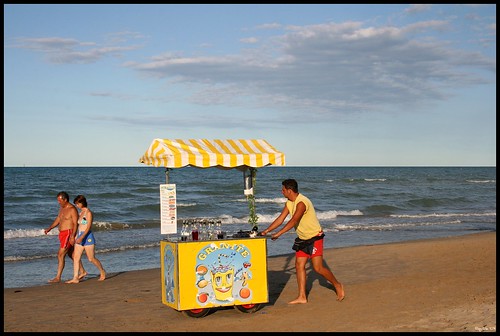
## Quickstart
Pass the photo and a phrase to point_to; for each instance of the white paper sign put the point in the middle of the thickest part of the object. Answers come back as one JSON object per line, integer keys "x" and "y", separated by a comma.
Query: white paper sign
{"x": 168, "y": 208}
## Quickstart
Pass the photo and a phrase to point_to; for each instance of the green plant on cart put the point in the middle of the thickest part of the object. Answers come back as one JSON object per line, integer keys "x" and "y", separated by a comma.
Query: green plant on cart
{"x": 252, "y": 218}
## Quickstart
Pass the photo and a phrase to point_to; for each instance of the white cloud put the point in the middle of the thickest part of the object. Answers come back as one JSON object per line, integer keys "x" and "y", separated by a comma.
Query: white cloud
{"x": 67, "y": 50}
{"x": 329, "y": 69}
{"x": 418, "y": 8}
{"x": 249, "y": 40}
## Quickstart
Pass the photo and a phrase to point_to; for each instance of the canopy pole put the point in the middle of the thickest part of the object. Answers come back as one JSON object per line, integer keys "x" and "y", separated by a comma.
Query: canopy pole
{"x": 249, "y": 181}
{"x": 167, "y": 173}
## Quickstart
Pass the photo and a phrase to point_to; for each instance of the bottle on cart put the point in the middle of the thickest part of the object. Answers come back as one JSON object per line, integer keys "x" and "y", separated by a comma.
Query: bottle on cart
{"x": 202, "y": 230}
{"x": 218, "y": 229}
{"x": 210, "y": 229}
{"x": 194, "y": 231}
{"x": 185, "y": 232}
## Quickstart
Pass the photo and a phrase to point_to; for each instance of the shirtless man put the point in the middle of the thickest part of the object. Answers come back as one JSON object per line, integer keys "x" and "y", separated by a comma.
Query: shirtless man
{"x": 67, "y": 222}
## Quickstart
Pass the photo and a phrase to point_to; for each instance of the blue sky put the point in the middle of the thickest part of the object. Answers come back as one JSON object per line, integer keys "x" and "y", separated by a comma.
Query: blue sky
{"x": 328, "y": 85}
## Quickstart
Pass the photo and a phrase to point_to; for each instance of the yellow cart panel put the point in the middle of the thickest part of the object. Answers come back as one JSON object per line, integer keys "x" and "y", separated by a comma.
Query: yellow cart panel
{"x": 214, "y": 273}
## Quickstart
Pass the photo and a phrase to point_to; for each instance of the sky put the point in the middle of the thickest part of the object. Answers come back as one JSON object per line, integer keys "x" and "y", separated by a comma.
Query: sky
{"x": 328, "y": 85}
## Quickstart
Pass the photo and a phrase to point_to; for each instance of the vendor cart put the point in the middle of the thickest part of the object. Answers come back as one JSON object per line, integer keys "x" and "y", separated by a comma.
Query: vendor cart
{"x": 200, "y": 273}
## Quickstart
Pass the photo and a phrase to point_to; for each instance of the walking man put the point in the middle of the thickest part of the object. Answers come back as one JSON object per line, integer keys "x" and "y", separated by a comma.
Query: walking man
{"x": 309, "y": 244}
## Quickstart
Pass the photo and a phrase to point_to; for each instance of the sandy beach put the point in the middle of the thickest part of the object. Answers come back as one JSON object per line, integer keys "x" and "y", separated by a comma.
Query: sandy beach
{"x": 428, "y": 285}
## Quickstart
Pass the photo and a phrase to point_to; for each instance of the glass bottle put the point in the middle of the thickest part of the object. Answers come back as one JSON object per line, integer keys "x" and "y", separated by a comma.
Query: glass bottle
{"x": 194, "y": 231}
{"x": 218, "y": 229}
{"x": 203, "y": 229}
{"x": 184, "y": 231}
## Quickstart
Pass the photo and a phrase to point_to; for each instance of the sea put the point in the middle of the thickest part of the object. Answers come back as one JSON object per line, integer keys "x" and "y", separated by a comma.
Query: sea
{"x": 355, "y": 205}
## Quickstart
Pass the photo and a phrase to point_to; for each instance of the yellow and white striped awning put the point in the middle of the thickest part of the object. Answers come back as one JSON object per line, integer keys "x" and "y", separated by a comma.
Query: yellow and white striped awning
{"x": 205, "y": 153}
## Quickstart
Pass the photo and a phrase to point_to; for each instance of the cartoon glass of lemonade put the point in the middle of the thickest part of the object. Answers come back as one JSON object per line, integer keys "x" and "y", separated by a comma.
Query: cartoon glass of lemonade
{"x": 222, "y": 282}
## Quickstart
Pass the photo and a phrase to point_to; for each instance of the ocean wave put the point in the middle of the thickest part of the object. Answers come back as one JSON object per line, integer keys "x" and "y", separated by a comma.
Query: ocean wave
{"x": 278, "y": 200}
{"x": 98, "y": 251}
{"x": 186, "y": 204}
{"x": 481, "y": 181}
{"x": 381, "y": 209}
{"x": 327, "y": 215}
{"x": 26, "y": 233}
{"x": 386, "y": 227}
{"x": 425, "y": 202}
{"x": 487, "y": 214}
{"x": 362, "y": 180}
{"x": 30, "y": 233}
{"x": 25, "y": 258}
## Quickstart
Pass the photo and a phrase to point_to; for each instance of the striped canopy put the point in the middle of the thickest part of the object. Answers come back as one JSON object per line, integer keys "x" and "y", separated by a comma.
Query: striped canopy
{"x": 203, "y": 153}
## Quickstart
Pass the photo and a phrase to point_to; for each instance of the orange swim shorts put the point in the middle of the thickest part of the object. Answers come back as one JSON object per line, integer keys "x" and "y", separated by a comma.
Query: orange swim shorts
{"x": 316, "y": 251}
{"x": 64, "y": 238}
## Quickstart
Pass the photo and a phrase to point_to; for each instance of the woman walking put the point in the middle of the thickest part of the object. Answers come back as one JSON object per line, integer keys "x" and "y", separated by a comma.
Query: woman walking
{"x": 84, "y": 240}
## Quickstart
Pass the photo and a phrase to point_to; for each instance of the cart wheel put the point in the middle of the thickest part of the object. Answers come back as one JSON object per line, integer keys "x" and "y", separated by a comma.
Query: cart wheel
{"x": 199, "y": 312}
{"x": 248, "y": 308}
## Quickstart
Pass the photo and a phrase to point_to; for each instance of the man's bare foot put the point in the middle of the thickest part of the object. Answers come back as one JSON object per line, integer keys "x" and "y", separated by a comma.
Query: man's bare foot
{"x": 55, "y": 280}
{"x": 340, "y": 292}
{"x": 102, "y": 277}
{"x": 298, "y": 301}
{"x": 72, "y": 281}
{"x": 82, "y": 275}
